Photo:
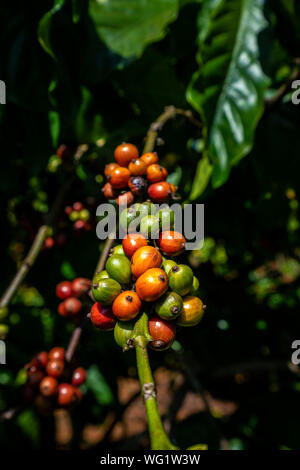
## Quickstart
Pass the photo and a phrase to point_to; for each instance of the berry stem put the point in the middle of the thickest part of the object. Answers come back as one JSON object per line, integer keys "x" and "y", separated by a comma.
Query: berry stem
{"x": 158, "y": 436}
{"x": 170, "y": 112}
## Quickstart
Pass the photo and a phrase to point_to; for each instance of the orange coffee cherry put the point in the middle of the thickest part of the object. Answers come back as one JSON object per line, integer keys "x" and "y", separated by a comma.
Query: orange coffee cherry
{"x": 125, "y": 199}
{"x": 124, "y": 153}
{"x": 149, "y": 158}
{"x": 137, "y": 167}
{"x": 132, "y": 242}
{"x": 156, "y": 173}
{"x": 171, "y": 243}
{"x": 109, "y": 192}
{"x": 119, "y": 177}
{"x": 144, "y": 258}
{"x": 159, "y": 192}
{"x": 126, "y": 306}
{"x": 152, "y": 284}
{"x": 109, "y": 169}
{"x": 192, "y": 311}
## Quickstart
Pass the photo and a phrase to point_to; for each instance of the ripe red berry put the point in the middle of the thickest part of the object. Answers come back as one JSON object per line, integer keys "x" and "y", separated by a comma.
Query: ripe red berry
{"x": 77, "y": 206}
{"x": 49, "y": 243}
{"x": 102, "y": 317}
{"x": 42, "y": 358}
{"x": 48, "y": 386}
{"x": 64, "y": 152}
{"x": 34, "y": 375}
{"x": 79, "y": 225}
{"x": 119, "y": 178}
{"x": 156, "y": 173}
{"x": 80, "y": 286}
{"x": 70, "y": 307}
{"x": 137, "y": 167}
{"x": 68, "y": 210}
{"x": 149, "y": 158}
{"x": 55, "y": 368}
{"x": 125, "y": 199}
{"x": 159, "y": 192}
{"x": 56, "y": 353}
{"x": 126, "y": 306}
{"x": 132, "y": 242}
{"x": 66, "y": 394}
{"x": 138, "y": 185}
{"x": 172, "y": 243}
{"x": 64, "y": 290}
{"x": 162, "y": 331}
{"x": 125, "y": 152}
{"x": 109, "y": 192}
{"x": 78, "y": 376}
{"x": 109, "y": 168}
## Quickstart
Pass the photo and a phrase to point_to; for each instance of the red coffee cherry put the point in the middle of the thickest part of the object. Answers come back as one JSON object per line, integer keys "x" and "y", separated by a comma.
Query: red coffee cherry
{"x": 64, "y": 290}
{"x": 119, "y": 178}
{"x": 56, "y": 353}
{"x": 144, "y": 258}
{"x": 159, "y": 192}
{"x": 77, "y": 206}
{"x": 109, "y": 192}
{"x": 172, "y": 243}
{"x": 68, "y": 210}
{"x": 149, "y": 158}
{"x": 48, "y": 386}
{"x": 49, "y": 243}
{"x": 132, "y": 242}
{"x": 80, "y": 286}
{"x": 156, "y": 173}
{"x": 70, "y": 307}
{"x": 34, "y": 375}
{"x": 79, "y": 225}
{"x": 138, "y": 185}
{"x": 55, "y": 368}
{"x": 66, "y": 394}
{"x": 126, "y": 306}
{"x": 109, "y": 168}
{"x": 162, "y": 331}
{"x": 78, "y": 376}
{"x": 42, "y": 358}
{"x": 152, "y": 284}
{"x": 137, "y": 167}
{"x": 102, "y": 317}
{"x": 125, "y": 199}
{"x": 64, "y": 152}
{"x": 125, "y": 152}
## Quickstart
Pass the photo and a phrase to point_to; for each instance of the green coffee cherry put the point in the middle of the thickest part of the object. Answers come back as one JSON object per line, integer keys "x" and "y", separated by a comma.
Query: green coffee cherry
{"x": 167, "y": 265}
{"x": 149, "y": 226}
{"x": 4, "y": 329}
{"x": 101, "y": 275}
{"x": 166, "y": 218}
{"x": 129, "y": 215}
{"x": 105, "y": 290}
{"x": 119, "y": 268}
{"x": 181, "y": 279}
{"x": 123, "y": 333}
{"x": 84, "y": 214}
{"x": 169, "y": 306}
{"x": 3, "y": 313}
{"x": 117, "y": 250}
{"x": 195, "y": 287}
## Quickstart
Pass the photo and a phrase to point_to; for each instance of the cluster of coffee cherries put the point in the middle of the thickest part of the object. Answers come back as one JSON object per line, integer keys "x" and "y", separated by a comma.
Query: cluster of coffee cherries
{"x": 79, "y": 215}
{"x": 131, "y": 177}
{"x": 51, "y": 381}
{"x": 143, "y": 274}
{"x": 70, "y": 294}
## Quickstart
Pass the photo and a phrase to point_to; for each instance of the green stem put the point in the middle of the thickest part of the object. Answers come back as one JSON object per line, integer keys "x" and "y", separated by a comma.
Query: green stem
{"x": 158, "y": 437}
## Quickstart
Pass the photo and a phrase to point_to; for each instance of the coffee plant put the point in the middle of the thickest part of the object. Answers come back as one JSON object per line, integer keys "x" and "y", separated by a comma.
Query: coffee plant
{"x": 141, "y": 106}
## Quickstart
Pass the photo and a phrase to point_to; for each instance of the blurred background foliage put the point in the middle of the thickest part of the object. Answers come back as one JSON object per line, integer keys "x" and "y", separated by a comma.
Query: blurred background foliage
{"x": 99, "y": 72}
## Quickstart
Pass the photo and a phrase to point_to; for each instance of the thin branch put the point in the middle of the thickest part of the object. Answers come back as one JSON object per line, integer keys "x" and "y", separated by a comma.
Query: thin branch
{"x": 76, "y": 335}
{"x": 170, "y": 112}
{"x": 36, "y": 246}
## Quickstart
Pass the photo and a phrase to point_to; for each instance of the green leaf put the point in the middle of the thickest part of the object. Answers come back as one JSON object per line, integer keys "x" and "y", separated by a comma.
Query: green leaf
{"x": 54, "y": 125}
{"x": 98, "y": 385}
{"x": 67, "y": 270}
{"x": 228, "y": 89}
{"x": 44, "y": 27}
{"x": 127, "y": 26}
{"x": 203, "y": 174}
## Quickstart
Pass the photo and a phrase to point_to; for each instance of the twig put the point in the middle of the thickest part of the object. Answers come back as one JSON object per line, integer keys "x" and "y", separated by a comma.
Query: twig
{"x": 170, "y": 112}
{"x": 36, "y": 246}
{"x": 285, "y": 87}
{"x": 76, "y": 335}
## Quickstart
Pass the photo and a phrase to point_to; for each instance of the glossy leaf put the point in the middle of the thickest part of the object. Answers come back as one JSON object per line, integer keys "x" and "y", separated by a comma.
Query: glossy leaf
{"x": 201, "y": 180}
{"x": 228, "y": 89}
{"x": 127, "y": 26}
{"x": 44, "y": 28}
